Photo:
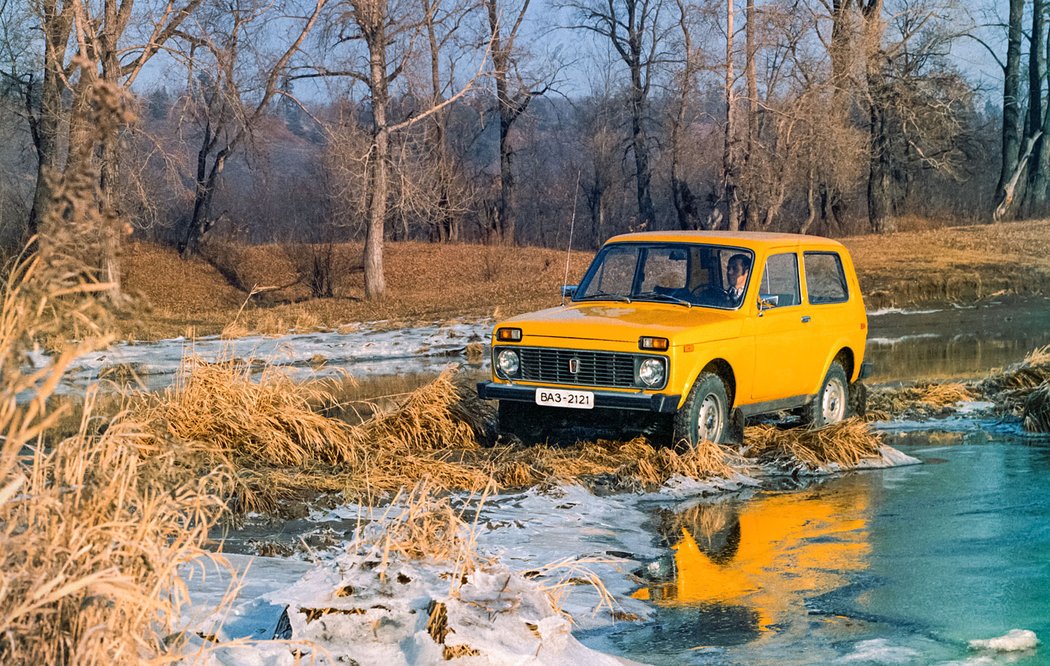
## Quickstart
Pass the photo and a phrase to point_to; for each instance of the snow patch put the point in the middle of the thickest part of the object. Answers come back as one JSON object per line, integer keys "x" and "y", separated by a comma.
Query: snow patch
{"x": 973, "y": 406}
{"x": 880, "y": 651}
{"x": 367, "y": 350}
{"x": 1014, "y": 640}
{"x": 679, "y": 487}
{"x": 901, "y": 311}
{"x": 889, "y": 342}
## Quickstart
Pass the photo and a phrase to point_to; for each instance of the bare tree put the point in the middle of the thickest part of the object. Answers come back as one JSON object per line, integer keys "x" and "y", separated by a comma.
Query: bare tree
{"x": 1011, "y": 103}
{"x": 513, "y": 95}
{"x": 223, "y": 103}
{"x": 118, "y": 38}
{"x": 386, "y": 32}
{"x": 637, "y": 31}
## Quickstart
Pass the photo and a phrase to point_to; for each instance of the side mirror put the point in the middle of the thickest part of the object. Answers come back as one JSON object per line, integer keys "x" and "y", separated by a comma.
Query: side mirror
{"x": 568, "y": 291}
{"x": 768, "y": 301}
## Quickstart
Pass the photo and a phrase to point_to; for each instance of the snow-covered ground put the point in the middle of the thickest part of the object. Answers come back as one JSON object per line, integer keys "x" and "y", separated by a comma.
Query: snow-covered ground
{"x": 537, "y": 551}
{"x": 365, "y": 350}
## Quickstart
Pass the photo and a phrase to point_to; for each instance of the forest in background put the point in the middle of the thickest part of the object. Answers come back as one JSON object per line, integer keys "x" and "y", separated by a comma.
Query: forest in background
{"x": 509, "y": 122}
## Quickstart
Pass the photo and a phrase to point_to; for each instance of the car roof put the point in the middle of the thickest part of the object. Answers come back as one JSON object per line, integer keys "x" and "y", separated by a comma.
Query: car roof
{"x": 749, "y": 239}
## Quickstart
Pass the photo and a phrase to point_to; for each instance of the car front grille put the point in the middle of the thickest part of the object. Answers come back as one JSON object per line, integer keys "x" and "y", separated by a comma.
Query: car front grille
{"x": 610, "y": 369}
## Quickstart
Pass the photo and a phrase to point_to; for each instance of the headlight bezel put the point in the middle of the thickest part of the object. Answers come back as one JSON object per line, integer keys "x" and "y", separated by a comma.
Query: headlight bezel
{"x": 656, "y": 367}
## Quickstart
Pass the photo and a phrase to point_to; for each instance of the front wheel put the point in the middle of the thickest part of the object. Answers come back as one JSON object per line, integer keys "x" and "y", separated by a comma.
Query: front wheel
{"x": 832, "y": 402}
{"x": 705, "y": 414}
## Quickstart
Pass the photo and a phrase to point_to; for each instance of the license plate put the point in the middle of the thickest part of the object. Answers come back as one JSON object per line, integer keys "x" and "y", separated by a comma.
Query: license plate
{"x": 563, "y": 398}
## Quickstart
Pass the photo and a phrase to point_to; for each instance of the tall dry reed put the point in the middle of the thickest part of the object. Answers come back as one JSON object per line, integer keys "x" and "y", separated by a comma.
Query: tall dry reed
{"x": 90, "y": 548}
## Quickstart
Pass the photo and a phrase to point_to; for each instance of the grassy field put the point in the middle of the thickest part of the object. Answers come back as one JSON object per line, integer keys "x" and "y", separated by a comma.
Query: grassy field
{"x": 438, "y": 282}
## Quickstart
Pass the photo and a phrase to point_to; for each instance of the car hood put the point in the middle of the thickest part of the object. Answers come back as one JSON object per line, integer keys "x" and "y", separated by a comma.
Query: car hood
{"x": 626, "y": 322}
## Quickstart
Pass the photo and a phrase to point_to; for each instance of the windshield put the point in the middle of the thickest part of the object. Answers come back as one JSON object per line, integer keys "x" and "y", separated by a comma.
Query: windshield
{"x": 688, "y": 274}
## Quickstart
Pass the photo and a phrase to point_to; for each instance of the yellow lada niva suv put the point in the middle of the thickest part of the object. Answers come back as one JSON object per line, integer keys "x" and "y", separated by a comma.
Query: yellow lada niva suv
{"x": 705, "y": 328}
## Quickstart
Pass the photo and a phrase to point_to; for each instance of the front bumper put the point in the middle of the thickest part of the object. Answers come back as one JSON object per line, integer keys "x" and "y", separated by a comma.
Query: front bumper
{"x": 660, "y": 403}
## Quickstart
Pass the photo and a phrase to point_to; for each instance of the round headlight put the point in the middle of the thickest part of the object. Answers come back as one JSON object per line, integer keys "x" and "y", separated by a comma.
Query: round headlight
{"x": 651, "y": 371}
{"x": 508, "y": 362}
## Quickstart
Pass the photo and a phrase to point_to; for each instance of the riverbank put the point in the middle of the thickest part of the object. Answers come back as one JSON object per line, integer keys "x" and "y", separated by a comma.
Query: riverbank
{"x": 428, "y": 282}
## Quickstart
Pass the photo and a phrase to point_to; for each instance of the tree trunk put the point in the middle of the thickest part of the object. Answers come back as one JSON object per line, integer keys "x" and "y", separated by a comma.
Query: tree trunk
{"x": 881, "y": 201}
{"x": 1011, "y": 101}
{"x": 52, "y": 114}
{"x": 507, "y": 211}
{"x": 1037, "y": 117}
{"x": 880, "y": 185}
{"x": 728, "y": 159}
{"x": 750, "y": 203}
{"x": 1010, "y": 188}
{"x": 379, "y": 157}
{"x": 681, "y": 194}
{"x": 640, "y": 147}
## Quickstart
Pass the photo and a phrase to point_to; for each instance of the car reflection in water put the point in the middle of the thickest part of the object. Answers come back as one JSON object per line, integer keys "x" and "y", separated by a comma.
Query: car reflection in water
{"x": 739, "y": 569}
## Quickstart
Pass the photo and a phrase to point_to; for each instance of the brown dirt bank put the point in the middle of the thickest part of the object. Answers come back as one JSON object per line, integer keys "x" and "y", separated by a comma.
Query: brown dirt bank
{"x": 427, "y": 281}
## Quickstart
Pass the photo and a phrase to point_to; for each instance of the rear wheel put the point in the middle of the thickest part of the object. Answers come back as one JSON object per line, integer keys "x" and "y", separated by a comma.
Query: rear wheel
{"x": 705, "y": 414}
{"x": 832, "y": 403}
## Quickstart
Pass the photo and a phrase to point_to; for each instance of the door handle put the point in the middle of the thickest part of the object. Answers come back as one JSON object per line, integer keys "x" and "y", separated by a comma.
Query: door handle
{"x": 805, "y": 319}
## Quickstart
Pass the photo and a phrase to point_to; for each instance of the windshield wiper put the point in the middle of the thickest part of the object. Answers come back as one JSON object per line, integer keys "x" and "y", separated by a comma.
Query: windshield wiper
{"x": 604, "y": 295}
{"x": 666, "y": 297}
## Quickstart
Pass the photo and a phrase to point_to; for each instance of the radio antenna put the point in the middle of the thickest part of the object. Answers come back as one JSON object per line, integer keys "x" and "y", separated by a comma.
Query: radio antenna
{"x": 572, "y": 225}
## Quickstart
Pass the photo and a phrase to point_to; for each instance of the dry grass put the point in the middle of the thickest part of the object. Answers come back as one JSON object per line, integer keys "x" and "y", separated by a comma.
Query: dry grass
{"x": 269, "y": 419}
{"x": 1011, "y": 387}
{"x": 1031, "y": 372}
{"x": 844, "y": 444}
{"x": 89, "y": 546}
{"x": 428, "y": 281}
{"x": 942, "y": 395}
{"x": 425, "y": 281}
{"x": 922, "y": 401}
{"x": 953, "y": 264}
{"x": 635, "y": 463}
{"x": 1037, "y": 410}
{"x": 282, "y": 441}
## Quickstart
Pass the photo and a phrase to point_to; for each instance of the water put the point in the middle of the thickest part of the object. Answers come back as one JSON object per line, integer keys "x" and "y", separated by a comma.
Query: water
{"x": 952, "y": 342}
{"x": 903, "y": 565}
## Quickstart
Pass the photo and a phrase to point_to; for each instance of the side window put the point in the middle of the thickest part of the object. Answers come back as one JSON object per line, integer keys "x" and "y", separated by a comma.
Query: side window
{"x": 825, "y": 279}
{"x": 779, "y": 287}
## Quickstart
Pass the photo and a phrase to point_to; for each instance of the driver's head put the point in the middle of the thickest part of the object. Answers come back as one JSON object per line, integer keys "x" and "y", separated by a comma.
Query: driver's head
{"x": 737, "y": 269}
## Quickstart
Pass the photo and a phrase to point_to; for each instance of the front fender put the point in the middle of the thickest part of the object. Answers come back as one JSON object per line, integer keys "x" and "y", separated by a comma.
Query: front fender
{"x": 733, "y": 356}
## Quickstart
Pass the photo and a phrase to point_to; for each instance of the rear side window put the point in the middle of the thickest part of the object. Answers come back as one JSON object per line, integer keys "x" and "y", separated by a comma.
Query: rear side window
{"x": 825, "y": 279}
{"x": 779, "y": 285}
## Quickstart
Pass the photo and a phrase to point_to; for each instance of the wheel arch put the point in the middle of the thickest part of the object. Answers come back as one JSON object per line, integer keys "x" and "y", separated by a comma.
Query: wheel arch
{"x": 843, "y": 352}
{"x": 721, "y": 368}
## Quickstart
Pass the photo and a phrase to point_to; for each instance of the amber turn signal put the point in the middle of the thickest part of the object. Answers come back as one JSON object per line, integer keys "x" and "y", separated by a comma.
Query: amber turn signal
{"x": 657, "y": 344}
{"x": 508, "y": 334}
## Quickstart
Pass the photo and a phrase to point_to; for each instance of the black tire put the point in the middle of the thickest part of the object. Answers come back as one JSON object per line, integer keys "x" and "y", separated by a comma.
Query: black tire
{"x": 832, "y": 403}
{"x": 520, "y": 420}
{"x": 858, "y": 399}
{"x": 704, "y": 415}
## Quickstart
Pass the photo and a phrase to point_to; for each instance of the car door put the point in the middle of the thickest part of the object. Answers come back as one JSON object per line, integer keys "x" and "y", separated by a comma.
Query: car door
{"x": 784, "y": 356}
{"x": 828, "y": 295}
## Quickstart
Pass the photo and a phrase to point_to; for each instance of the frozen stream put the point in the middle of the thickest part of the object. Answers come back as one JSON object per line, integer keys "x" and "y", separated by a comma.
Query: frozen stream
{"x": 938, "y": 343}
{"x": 955, "y": 341}
{"x": 896, "y": 566}
{"x": 904, "y": 565}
